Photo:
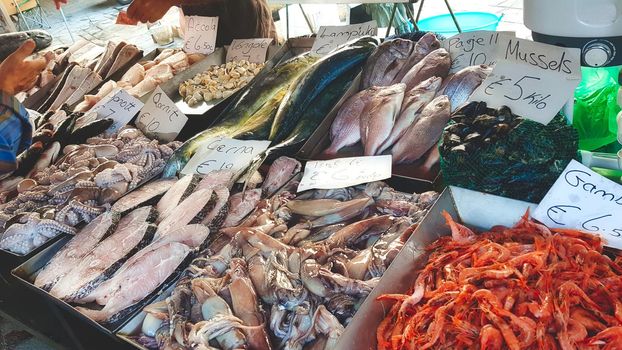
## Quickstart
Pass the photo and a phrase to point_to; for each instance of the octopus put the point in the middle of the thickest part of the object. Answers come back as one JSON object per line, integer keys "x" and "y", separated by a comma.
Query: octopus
{"x": 82, "y": 184}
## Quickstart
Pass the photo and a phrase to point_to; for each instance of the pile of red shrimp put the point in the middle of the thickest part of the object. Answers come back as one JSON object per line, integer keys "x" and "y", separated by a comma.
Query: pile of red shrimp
{"x": 525, "y": 287}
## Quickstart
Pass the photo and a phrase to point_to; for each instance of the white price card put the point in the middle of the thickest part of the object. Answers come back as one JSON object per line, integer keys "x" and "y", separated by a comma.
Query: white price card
{"x": 535, "y": 80}
{"x": 118, "y": 105}
{"x": 160, "y": 118}
{"x": 584, "y": 200}
{"x": 474, "y": 48}
{"x": 222, "y": 153}
{"x": 344, "y": 172}
{"x": 330, "y": 37}
{"x": 251, "y": 50}
{"x": 200, "y": 34}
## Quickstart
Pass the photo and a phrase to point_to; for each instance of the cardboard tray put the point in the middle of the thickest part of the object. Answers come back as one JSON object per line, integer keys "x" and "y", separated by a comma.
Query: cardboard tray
{"x": 476, "y": 210}
{"x": 406, "y": 177}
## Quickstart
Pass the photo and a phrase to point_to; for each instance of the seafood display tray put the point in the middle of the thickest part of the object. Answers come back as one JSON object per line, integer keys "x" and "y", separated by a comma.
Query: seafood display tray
{"x": 406, "y": 177}
{"x": 27, "y": 272}
{"x": 206, "y": 114}
{"x": 8, "y": 260}
{"x": 476, "y": 210}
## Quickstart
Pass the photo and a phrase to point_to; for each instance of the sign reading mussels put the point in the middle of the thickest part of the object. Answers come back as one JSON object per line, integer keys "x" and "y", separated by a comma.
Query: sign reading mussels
{"x": 584, "y": 200}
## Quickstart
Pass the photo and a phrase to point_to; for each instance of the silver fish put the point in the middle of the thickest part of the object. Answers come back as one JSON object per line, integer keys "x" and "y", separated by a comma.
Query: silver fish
{"x": 436, "y": 64}
{"x": 423, "y": 47}
{"x": 462, "y": 84}
{"x": 424, "y": 134}
{"x": 414, "y": 101}
{"x": 345, "y": 130}
{"x": 386, "y": 62}
{"x": 381, "y": 117}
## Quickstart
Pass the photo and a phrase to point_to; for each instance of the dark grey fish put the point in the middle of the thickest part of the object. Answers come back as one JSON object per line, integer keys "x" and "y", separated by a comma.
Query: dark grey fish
{"x": 12, "y": 41}
{"x": 423, "y": 47}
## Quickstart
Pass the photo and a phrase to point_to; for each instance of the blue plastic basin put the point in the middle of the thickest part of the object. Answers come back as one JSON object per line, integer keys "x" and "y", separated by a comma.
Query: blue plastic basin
{"x": 468, "y": 21}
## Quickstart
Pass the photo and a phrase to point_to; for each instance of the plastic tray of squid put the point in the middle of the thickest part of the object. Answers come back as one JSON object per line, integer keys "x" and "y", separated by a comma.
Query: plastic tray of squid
{"x": 290, "y": 274}
{"x": 73, "y": 180}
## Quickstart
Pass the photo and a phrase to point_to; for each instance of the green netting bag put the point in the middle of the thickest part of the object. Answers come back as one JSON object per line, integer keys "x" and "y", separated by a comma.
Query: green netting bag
{"x": 497, "y": 152}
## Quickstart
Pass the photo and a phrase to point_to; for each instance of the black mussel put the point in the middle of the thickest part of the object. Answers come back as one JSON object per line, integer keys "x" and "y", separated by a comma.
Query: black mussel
{"x": 484, "y": 121}
{"x": 458, "y": 129}
{"x": 472, "y": 137}
{"x": 459, "y": 149}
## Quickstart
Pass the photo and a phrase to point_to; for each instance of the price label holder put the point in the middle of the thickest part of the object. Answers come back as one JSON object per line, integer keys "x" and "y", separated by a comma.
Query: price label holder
{"x": 160, "y": 118}
{"x": 251, "y": 50}
{"x": 200, "y": 34}
{"x": 118, "y": 105}
{"x": 584, "y": 200}
{"x": 475, "y": 48}
{"x": 330, "y": 37}
{"x": 344, "y": 172}
{"x": 224, "y": 153}
{"x": 535, "y": 80}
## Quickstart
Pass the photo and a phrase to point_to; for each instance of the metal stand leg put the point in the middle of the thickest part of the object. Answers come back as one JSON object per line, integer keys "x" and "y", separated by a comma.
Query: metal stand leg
{"x": 419, "y": 11}
{"x": 21, "y": 14}
{"x": 391, "y": 19}
{"x": 287, "y": 21}
{"x": 451, "y": 12}
{"x": 411, "y": 16}
{"x": 304, "y": 14}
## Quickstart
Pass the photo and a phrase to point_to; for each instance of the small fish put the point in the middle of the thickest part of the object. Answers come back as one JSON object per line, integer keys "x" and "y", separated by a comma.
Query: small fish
{"x": 345, "y": 130}
{"x": 386, "y": 62}
{"x": 414, "y": 101}
{"x": 381, "y": 116}
{"x": 436, "y": 64}
{"x": 424, "y": 134}
{"x": 423, "y": 47}
{"x": 462, "y": 84}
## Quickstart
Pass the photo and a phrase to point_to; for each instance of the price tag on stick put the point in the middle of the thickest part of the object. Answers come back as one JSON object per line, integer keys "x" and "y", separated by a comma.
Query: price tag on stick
{"x": 252, "y": 50}
{"x": 330, "y": 37}
{"x": 224, "y": 153}
{"x": 344, "y": 172}
{"x": 118, "y": 105}
{"x": 160, "y": 117}
{"x": 200, "y": 34}
{"x": 584, "y": 200}
{"x": 475, "y": 48}
{"x": 535, "y": 80}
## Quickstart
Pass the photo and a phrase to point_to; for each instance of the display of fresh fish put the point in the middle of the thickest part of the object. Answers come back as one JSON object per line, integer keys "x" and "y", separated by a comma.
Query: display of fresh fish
{"x": 77, "y": 248}
{"x": 216, "y": 178}
{"x": 240, "y": 205}
{"x": 435, "y": 64}
{"x": 125, "y": 55}
{"x": 142, "y": 279}
{"x": 147, "y": 194}
{"x": 191, "y": 235}
{"x": 381, "y": 111}
{"x": 346, "y": 128}
{"x": 218, "y": 213}
{"x": 311, "y": 84}
{"x": 89, "y": 83}
{"x": 462, "y": 84}
{"x": 424, "y": 134}
{"x": 134, "y": 75}
{"x": 281, "y": 171}
{"x": 188, "y": 211}
{"x": 107, "y": 62}
{"x": 414, "y": 101}
{"x": 423, "y": 47}
{"x": 181, "y": 189}
{"x": 386, "y": 62}
{"x": 133, "y": 232}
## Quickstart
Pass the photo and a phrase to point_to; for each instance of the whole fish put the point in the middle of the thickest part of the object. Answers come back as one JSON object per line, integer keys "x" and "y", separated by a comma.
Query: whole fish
{"x": 310, "y": 85}
{"x": 381, "y": 112}
{"x": 386, "y": 62}
{"x": 423, "y": 47}
{"x": 10, "y": 42}
{"x": 414, "y": 101}
{"x": 346, "y": 128}
{"x": 435, "y": 64}
{"x": 462, "y": 84}
{"x": 424, "y": 134}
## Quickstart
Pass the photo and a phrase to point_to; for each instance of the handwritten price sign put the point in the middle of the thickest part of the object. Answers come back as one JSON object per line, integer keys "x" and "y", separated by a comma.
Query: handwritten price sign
{"x": 344, "y": 172}
{"x": 224, "y": 153}
{"x": 200, "y": 34}
{"x": 251, "y": 50}
{"x": 474, "y": 48}
{"x": 330, "y": 37}
{"x": 535, "y": 80}
{"x": 160, "y": 117}
{"x": 118, "y": 105}
{"x": 582, "y": 199}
